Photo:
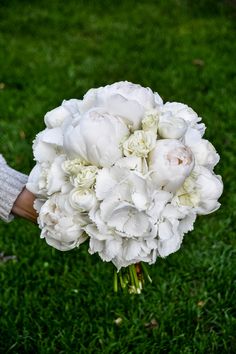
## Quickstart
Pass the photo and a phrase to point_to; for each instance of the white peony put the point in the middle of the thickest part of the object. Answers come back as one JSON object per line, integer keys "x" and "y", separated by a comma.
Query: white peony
{"x": 56, "y": 117}
{"x": 124, "y": 99}
{"x": 195, "y": 129}
{"x": 205, "y": 154}
{"x": 96, "y": 138}
{"x": 61, "y": 225}
{"x": 48, "y": 144}
{"x": 171, "y": 163}
{"x": 201, "y": 190}
{"x": 73, "y": 106}
{"x": 132, "y": 92}
{"x": 47, "y": 178}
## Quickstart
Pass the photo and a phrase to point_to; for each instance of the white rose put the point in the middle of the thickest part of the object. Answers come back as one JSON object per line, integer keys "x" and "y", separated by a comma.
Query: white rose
{"x": 85, "y": 178}
{"x": 150, "y": 120}
{"x": 171, "y": 163}
{"x": 96, "y": 138}
{"x": 82, "y": 199}
{"x": 60, "y": 224}
{"x": 205, "y": 154}
{"x": 140, "y": 143}
{"x": 171, "y": 127}
{"x": 73, "y": 167}
{"x": 201, "y": 190}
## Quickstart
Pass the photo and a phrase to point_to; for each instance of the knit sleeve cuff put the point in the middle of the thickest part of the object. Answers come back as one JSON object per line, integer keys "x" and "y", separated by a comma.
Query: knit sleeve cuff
{"x": 11, "y": 184}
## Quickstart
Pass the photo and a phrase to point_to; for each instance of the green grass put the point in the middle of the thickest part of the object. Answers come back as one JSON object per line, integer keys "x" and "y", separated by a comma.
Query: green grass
{"x": 52, "y": 302}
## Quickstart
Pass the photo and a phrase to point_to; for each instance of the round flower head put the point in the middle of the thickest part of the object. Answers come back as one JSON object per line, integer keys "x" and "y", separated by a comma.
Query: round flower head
{"x": 124, "y": 170}
{"x": 170, "y": 162}
{"x": 124, "y": 99}
{"x": 96, "y": 138}
{"x": 61, "y": 225}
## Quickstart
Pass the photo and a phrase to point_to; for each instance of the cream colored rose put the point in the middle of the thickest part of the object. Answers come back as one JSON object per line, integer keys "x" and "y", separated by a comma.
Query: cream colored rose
{"x": 85, "y": 177}
{"x": 73, "y": 167}
{"x": 150, "y": 120}
{"x": 82, "y": 199}
{"x": 140, "y": 143}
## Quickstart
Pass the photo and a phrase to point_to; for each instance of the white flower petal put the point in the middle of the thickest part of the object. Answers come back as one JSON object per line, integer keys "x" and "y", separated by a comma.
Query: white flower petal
{"x": 132, "y": 249}
{"x": 90, "y": 138}
{"x": 129, "y": 110}
{"x": 56, "y": 117}
{"x": 171, "y": 163}
{"x": 104, "y": 183}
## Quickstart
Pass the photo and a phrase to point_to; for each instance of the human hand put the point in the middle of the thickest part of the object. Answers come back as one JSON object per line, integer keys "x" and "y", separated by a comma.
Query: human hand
{"x": 23, "y": 206}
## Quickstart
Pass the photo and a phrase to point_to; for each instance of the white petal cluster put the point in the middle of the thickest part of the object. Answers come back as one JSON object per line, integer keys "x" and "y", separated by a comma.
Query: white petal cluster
{"x": 140, "y": 143}
{"x": 170, "y": 163}
{"x": 125, "y": 171}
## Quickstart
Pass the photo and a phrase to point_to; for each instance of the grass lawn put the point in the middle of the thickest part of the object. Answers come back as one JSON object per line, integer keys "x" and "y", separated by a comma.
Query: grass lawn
{"x": 53, "y": 302}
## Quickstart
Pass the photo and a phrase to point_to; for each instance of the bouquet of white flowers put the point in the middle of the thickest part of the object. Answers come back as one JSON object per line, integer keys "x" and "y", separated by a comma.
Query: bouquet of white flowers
{"x": 125, "y": 171}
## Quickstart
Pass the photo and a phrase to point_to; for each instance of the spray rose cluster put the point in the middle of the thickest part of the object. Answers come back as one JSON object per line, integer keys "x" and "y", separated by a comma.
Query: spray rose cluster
{"x": 125, "y": 171}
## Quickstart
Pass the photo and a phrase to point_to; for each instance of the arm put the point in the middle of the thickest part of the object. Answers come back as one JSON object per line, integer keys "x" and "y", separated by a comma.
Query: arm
{"x": 23, "y": 206}
{"x": 15, "y": 199}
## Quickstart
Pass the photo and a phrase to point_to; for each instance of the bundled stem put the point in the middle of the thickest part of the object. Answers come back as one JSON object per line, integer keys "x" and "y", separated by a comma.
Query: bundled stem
{"x": 132, "y": 278}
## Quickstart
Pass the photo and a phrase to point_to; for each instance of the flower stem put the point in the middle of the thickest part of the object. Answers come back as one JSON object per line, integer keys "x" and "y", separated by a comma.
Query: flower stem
{"x": 135, "y": 277}
{"x": 115, "y": 281}
{"x": 146, "y": 272}
{"x": 122, "y": 283}
{"x": 131, "y": 278}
